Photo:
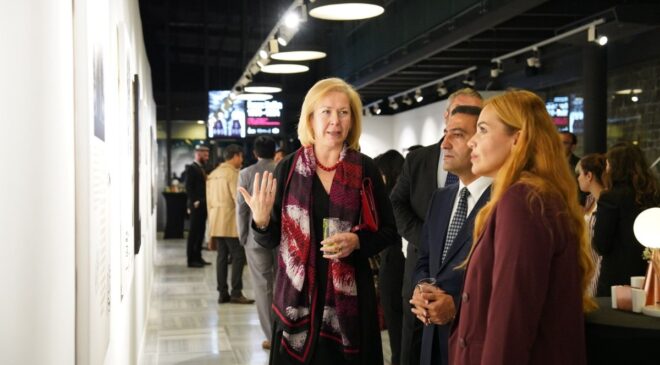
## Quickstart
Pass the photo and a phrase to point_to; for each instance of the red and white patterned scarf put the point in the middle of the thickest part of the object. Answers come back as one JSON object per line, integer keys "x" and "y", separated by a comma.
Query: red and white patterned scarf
{"x": 295, "y": 298}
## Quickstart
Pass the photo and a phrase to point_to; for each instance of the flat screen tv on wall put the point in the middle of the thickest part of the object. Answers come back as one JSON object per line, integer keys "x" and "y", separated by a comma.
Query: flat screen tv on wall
{"x": 243, "y": 118}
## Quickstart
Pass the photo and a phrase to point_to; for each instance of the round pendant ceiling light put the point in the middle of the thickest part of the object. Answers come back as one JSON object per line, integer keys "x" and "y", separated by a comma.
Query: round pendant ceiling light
{"x": 284, "y": 68}
{"x": 254, "y": 97}
{"x": 262, "y": 89}
{"x": 298, "y": 55}
{"x": 345, "y": 9}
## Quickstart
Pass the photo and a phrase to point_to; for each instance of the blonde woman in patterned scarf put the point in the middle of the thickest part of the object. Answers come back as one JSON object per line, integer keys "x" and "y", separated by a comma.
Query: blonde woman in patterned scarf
{"x": 324, "y": 298}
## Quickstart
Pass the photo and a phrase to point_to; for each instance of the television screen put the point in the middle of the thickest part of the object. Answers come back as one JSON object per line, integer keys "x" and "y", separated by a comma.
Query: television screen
{"x": 264, "y": 117}
{"x": 567, "y": 112}
{"x": 242, "y": 119}
{"x": 558, "y": 108}
{"x": 225, "y": 123}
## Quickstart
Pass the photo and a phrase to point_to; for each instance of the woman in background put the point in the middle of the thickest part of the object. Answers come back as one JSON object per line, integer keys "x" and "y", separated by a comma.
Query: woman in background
{"x": 590, "y": 170}
{"x": 324, "y": 298}
{"x": 392, "y": 261}
{"x": 527, "y": 276}
{"x": 633, "y": 189}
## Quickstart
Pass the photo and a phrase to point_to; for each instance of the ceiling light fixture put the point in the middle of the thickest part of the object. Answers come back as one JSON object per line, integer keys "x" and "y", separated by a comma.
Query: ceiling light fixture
{"x": 393, "y": 104}
{"x": 345, "y": 9}
{"x": 284, "y": 68}
{"x": 469, "y": 80}
{"x": 376, "y": 109}
{"x": 263, "y": 54}
{"x": 496, "y": 70}
{"x": 262, "y": 89}
{"x": 418, "y": 95}
{"x": 300, "y": 55}
{"x": 254, "y": 97}
{"x": 292, "y": 20}
{"x": 592, "y": 36}
{"x": 441, "y": 89}
{"x": 273, "y": 46}
{"x": 534, "y": 61}
{"x": 282, "y": 39}
{"x": 407, "y": 100}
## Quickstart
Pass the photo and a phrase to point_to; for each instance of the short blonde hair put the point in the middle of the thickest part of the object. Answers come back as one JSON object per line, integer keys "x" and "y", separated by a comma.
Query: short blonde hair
{"x": 316, "y": 93}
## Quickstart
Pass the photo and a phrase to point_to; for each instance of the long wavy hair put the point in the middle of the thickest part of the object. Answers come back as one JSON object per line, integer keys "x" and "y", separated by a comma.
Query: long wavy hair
{"x": 628, "y": 167}
{"x": 537, "y": 160}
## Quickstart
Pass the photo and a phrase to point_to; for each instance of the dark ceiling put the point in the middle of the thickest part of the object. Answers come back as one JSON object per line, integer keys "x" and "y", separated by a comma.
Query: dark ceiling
{"x": 199, "y": 45}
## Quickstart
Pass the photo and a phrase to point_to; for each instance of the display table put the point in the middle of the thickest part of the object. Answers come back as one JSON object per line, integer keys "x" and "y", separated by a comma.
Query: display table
{"x": 176, "y": 214}
{"x": 618, "y": 337}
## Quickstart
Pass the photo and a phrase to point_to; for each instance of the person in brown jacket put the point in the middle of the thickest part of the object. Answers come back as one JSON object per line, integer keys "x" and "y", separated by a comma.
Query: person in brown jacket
{"x": 221, "y": 188}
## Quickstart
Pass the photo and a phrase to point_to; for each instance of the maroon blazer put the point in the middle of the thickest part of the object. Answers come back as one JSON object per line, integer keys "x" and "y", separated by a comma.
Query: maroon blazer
{"x": 522, "y": 301}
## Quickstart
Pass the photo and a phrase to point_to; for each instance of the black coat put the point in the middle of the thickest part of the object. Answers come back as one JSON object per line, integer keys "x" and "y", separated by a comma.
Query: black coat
{"x": 410, "y": 201}
{"x": 614, "y": 239}
{"x": 195, "y": 185}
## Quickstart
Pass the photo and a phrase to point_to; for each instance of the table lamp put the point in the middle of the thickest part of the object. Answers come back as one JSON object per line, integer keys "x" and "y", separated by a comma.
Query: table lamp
{"x": 647, "y": 232}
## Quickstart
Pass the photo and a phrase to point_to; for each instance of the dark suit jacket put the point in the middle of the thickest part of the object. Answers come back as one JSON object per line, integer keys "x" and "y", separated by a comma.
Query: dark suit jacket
{"x": 615, "y": 241}
{"x": 436, "y": 338}
{"x": 410, "y": 200}
{"x": 522, "y": 297}
{"x": 195, "y": 185}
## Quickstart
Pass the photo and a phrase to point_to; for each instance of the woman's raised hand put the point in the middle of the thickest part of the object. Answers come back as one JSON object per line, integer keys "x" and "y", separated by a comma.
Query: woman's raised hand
{"x": 262, "y": 199}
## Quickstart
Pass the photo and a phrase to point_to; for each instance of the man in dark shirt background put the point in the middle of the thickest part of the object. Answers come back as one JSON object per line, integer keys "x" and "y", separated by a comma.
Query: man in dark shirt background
{"x": 196, "y": 191}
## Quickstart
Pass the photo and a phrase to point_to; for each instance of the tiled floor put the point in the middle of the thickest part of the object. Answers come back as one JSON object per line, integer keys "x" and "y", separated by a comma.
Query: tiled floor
{"x": 188, "y": 326}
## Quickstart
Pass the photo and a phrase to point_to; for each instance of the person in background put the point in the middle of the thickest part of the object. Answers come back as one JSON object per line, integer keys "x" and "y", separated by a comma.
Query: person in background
{"x": 261, "y": 261}
{"x": 569, "y": 142}
{"x": 222, "y": 187}
{"x": 279, "y": 155}
{"x": 528, "y": 272}
{"x": 392, "y": 262}
{"x": 590, "y": 171}
{"x": 633, "y": 189}
{"x": 447, "y": 237}
{"x": 422, "y": 174}
{"x": 196, "y": 192}
{"x": 324, "y": 297}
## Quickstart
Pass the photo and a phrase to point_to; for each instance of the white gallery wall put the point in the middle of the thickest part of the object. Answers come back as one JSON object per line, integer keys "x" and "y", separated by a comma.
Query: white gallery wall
{"x": 423, "y": 126}
{"x": 74, "y": 291}
{"x": 37, "y": 214}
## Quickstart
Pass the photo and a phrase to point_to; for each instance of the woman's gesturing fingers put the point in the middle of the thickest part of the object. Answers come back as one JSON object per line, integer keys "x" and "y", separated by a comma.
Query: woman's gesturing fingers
{"x": 262, "y": 198}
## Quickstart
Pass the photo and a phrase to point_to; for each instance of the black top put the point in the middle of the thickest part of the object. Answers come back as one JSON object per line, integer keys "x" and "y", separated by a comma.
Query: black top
{"x": 615, "y": 240}
{"x": 323, "y": 351}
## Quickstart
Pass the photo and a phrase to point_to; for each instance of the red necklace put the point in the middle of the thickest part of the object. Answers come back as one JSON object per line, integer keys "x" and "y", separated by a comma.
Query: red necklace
{"x": 327, "y": 168}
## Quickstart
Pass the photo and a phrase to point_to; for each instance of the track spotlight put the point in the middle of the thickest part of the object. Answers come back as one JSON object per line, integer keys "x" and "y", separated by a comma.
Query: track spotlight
{"x": 263, "y": 54}
{"x": 292, "y": 20}
{"x": 469, "y": 80}
{"x": 496, "y": 70}
{"x": 592, "y": 36}
{"x": 441, "y": 89}
{"x": 535, "y": 60}
{"x": 407, "y": 100}
{"x": 273, "y": 46}
{"x": 393, "y": 104}
{"x": 418, "y": 95}
{"x": 284, "y": 35}
{"x": 376, "y": 110}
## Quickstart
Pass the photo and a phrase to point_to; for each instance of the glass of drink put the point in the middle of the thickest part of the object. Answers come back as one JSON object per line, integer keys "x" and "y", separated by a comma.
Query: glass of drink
{"x": 331, "y": 226}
